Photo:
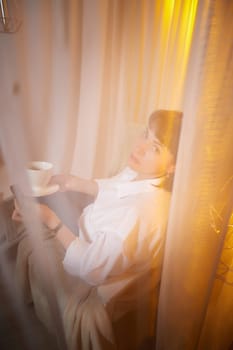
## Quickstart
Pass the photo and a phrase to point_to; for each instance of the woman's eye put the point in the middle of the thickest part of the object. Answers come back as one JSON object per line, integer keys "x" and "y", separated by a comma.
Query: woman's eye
{"x": 155, "y": 149}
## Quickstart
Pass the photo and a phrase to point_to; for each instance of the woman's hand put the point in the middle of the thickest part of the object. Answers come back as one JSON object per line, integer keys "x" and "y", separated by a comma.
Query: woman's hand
{"x": 75, "y": 183}
{"x": 66, "y": 182}
{"x": 51, "y": 221}
{"x": 46, "y": 215}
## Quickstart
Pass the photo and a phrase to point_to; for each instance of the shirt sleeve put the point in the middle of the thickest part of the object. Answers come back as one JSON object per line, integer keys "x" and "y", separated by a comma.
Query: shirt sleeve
{"x": 106, "y": 255}
{"x": 109, "y": 255}
{"x": 94, "y": 261}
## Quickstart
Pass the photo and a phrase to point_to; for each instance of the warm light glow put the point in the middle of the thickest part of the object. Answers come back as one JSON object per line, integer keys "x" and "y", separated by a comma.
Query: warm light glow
{"x": 80, "y": 80}
{"x": 165, "y": 55}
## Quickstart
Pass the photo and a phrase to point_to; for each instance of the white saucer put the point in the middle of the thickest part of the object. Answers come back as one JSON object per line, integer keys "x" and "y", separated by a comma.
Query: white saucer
{"x": 39, "y": 192}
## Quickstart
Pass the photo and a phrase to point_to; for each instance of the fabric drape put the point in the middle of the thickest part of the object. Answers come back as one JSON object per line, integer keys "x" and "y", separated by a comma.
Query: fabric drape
{"x": 201, "y": 205}
{"x": 80, "y": 79}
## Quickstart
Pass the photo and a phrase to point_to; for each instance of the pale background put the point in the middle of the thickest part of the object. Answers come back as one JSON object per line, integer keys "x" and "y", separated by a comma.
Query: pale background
{"x": 80, "y": 79}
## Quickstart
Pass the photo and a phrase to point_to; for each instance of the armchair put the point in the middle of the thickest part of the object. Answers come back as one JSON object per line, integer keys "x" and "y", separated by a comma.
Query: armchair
{"x": 106, "y": 317}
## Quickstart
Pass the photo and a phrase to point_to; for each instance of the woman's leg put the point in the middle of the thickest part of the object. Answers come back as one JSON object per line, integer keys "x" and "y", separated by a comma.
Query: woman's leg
{"x": 68, "y": 306}
{"x": 85, "y": 320}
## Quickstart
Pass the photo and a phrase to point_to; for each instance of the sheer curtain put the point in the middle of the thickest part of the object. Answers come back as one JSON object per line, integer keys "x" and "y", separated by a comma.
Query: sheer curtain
{"x": 81, "y": 77}
{"x": 194, "y": 310}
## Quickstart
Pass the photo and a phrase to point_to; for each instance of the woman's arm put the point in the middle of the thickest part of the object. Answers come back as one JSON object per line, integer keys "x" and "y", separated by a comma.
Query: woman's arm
{"x": 51, "y": 221}
{"x": 65, "y": 236}
{"x": 75, "y": 183}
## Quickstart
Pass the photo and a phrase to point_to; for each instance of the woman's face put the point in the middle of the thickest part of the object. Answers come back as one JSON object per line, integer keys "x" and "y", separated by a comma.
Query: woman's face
{"x": 149, "y": 158}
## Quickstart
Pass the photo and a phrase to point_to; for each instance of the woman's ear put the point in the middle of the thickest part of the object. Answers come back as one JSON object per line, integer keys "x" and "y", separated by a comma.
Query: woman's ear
{"x": 171, "y": 169}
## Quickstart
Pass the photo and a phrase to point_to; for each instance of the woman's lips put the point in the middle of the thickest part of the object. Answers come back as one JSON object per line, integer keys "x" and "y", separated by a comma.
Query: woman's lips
{"x": 134, "y": 158}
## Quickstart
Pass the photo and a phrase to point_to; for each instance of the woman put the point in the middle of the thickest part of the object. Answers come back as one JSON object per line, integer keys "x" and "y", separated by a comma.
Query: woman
{"x": 121, "y": 234}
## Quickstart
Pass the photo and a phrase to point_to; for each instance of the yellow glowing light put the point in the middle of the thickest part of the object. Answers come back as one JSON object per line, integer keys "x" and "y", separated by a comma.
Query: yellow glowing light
{"x": 176, "y": 32}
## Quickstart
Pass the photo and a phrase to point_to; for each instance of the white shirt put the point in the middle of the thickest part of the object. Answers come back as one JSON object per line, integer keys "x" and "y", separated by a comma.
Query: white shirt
{"x": 122, "y": 233}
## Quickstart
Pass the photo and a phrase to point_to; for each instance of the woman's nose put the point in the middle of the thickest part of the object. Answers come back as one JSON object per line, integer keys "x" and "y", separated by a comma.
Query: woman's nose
{"x": 141, "y": 148}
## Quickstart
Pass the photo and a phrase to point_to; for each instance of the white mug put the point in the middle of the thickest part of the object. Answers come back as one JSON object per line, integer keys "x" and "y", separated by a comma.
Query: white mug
{"x": 39, "y": 174}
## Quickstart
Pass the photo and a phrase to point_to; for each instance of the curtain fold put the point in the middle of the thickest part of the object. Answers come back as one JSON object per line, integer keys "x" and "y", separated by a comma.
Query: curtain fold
{"x": 146, "y": 49}
{"x": 44, "y": 64}
{"x": 205, "y": 165}
{"x": 80, "y": 79}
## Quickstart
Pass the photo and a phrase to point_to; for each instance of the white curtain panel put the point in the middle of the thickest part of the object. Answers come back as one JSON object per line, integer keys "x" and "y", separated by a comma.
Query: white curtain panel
{"x": 79, "y": 80}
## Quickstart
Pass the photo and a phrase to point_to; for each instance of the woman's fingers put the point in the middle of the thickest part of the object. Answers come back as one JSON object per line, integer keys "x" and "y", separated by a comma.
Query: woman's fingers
{"x": 60, "y": 180}
{"x": 16, "y": 216}
{"x": 53, "y": 180}
{"x": 16, "y": 204}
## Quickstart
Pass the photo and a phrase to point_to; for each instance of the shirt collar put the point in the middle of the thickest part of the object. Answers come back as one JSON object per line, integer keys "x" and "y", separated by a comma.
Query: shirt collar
{"x": 126, "y": 186}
